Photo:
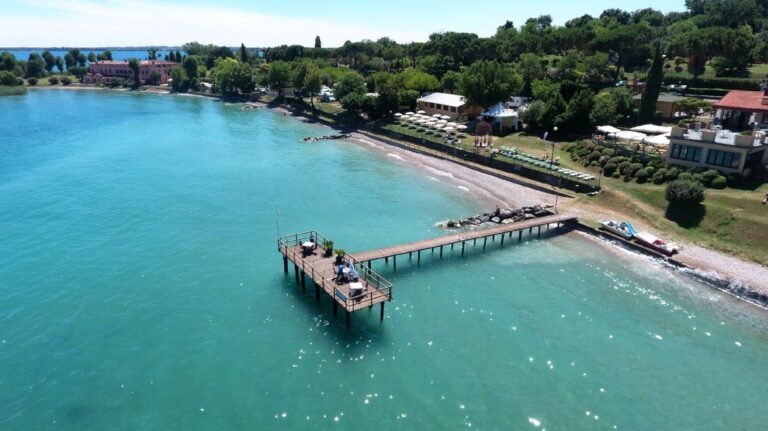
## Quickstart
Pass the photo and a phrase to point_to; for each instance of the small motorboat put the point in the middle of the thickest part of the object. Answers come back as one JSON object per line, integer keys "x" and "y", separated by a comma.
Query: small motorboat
{"x": 656, "y": 243}
{"x": 623, "y": 229}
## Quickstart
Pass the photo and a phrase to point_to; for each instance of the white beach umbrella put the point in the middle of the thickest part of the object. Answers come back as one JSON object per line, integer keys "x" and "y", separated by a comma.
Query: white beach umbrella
{"x": 461, "y": 127}
{"x": 452, "y": 124}
{"x": 421, "y": 112}
{"x": 442, "y": 122}
{"x": 436, "y": 116}
{"x": 438, "y": 126}
{"x": 397, "y": 114}
{"x": 409, "y": 113}
{"x": 449, "y": 129}
{"x": 445, "y": 117}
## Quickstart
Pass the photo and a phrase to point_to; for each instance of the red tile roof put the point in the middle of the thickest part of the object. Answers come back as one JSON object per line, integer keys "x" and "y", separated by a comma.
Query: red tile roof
{"x": 751, "y": 101}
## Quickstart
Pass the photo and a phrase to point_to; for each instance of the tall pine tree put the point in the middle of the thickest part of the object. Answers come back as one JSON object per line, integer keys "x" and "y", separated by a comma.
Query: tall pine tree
{"x": 243, "y": 53}
{"x": 318, "y": 44}
{"x": 652, "y": 87}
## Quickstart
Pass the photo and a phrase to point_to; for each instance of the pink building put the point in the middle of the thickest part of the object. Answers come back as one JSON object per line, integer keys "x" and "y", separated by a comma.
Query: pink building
{"x": 101, "y": 72}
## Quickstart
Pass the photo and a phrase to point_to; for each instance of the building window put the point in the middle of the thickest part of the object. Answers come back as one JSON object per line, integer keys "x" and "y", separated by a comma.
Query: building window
{"x": 685, "y": 152}
{"x": 439, "y": 106}
{"x": 453, "y": 109}
{"x": 725, "y": 159}
{"x": 432, "y": 105}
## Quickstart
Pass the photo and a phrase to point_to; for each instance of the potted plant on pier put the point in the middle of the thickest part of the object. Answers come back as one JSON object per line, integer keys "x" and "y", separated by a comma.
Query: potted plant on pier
{"x": 340, "y": 256}
{"x": 328, "y": 247}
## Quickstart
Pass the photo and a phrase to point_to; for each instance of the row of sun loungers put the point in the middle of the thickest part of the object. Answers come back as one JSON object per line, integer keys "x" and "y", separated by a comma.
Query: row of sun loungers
{"x": 512, "y": 153}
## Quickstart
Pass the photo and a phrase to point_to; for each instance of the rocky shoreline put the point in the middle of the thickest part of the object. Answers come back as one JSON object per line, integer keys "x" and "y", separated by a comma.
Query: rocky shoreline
{"x": 501, "y": 216}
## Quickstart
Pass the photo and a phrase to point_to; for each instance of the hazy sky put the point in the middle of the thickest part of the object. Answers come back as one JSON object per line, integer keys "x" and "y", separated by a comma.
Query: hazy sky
{"x": 86, "y": 23}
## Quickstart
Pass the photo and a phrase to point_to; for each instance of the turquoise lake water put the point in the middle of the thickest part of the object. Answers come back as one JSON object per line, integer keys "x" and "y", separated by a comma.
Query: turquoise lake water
{"x": 140, "y": 288}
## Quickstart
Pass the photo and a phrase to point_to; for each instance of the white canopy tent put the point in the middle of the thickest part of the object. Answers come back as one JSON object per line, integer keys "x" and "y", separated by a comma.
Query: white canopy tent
{"x": 627, "y": 135}
{"x": 658, "y": 140}
{"x": 652, "y": 129}
{"x": 608, "y": 129}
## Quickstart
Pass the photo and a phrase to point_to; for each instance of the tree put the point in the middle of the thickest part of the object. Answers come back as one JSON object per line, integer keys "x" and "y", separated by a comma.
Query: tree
{"x": 78, "y": 71}
{"x": 154, "y": 78}
{"x": 243, "y": 53}
{"x": 7, "y": 61}
{"x": 604, "y": 110}
{"x": 652, "y": 87}
{"x": 233, "y": 77}
{"x": 628, "y": 43}
{"x": 685, "y": 193}
{"x": 35, "y": 66}
{"x": 152, "y": 54}
{"x": 49, "y": 59}
{"x": 59, "y": 63}
{"x": 312, "y": 83}
{"x": 91, "y": 57}
{"x": 278, "y": 76}
{"x": 81, "y": 59}
{"x": 318, "y": 44}
{"x": 485, "y": 83}
{"x": 577, "y": 114}
{"x": 135, "y": 67}
{"x": 353, "y": 102}
{"x": 450, "y": 81}
{"x": 180, "y": 82}
{"x": 70, "y": 60}
{"x": 191, "y": 65}
{"x": 351, "y": 82}
{"x": 8, "y": 78}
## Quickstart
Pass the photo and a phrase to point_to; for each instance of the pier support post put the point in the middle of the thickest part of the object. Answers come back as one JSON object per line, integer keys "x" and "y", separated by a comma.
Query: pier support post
{"x": 502, "y": 240}
{"x": 386, "y": 260}
{"x": 369, "y": 264}
{"x": 394, "y": 263}
{"x": 530, "y": 229}
{"x": 381, "y": 316}
{"x": 441, "y": 252}
{"x": 410, "y": 255}
{"x": 303, "y": 281}
{"x": 418, "y": 257}
{"x": 463, "y": 243}
{"x": 285, "y": 264}
{"x": 539, "y": 234}
{"x": 317, "y": 291}
{"x": 520, "y": 235}
{"x": 485, "y": 241}
{"x": 348, "y": 313}
{"x": 296, "y": 272}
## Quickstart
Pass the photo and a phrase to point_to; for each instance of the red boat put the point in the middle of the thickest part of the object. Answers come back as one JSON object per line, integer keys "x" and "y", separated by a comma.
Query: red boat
{"x": 656, "y": 243}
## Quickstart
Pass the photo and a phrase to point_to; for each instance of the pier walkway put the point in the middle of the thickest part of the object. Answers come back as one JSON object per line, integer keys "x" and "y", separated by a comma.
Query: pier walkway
{"x": 371, "y": 288}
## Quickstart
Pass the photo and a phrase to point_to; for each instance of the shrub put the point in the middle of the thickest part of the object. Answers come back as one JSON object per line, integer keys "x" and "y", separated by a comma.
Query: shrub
{"x": 623, "y": 166}
{"x": 594, "y": 163}
{"x": 615, "y": 174}
{"x": 32, "y": 81}
{"x": 617, "y": 159}
{"x": 734, "y": 178}
{"x": 686, "y": 176}
{"x": 609, "y": 152}
{"x": 632, "y": 169}
{"x": 642, "y": 176}
{"x": 594, "y": 156}
{"x": 719, "y": 182}
{"x": 685, "y": 193}
{"x": 66, "y": 80}
{"x": 610, "y": 168}
{"x": 659, "y": 176}
{"x": 53, "y": 80}
{"x": 8, "y": 78}
{"x": 672, "y": 173}
{"x": 709, "y": 176}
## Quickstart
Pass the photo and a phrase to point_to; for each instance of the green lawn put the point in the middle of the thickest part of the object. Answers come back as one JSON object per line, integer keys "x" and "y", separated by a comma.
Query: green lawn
{"x": 757, "y": 72}
{"x": 329, "y": 108}
{"x": 44, "y": 82}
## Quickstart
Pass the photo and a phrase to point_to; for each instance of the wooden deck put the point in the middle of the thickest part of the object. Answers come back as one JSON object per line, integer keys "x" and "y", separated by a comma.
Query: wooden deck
{"x": 463, "y": 238}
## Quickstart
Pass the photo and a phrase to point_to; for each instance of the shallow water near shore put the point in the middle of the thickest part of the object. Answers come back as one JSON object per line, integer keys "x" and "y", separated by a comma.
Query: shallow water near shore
{"x": 140, "y": 288}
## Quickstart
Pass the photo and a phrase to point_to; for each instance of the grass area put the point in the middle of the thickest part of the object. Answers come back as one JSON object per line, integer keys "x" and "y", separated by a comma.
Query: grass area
{"x": 16, "y": 90}
{"x": 329, "y": 107}
{"x": 756, "y": 72}
{"x": 45, "y": 81}
{"x": 731, "y": 220}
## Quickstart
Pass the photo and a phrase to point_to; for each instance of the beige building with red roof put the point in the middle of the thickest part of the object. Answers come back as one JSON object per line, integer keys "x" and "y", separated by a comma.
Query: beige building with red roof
{"x": 742, "y": 110}
{"x": 101, "y": 72}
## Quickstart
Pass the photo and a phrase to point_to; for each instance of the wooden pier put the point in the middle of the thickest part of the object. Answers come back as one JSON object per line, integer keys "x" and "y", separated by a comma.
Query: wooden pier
{"x": 463, "y": 239}
{"x": 376, "y": 289}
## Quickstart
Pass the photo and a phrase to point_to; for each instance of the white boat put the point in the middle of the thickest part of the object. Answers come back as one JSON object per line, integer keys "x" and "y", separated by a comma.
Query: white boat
{"x": 656, "y": 243}
{"x": 623, "y": 229}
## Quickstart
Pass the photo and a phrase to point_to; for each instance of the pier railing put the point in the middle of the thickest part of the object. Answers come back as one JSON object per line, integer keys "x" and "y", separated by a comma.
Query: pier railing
{"x": 377, "y": 288}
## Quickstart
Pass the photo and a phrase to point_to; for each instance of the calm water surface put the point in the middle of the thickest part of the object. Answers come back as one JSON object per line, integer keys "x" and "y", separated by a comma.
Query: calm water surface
{"x": 140, "y": 288}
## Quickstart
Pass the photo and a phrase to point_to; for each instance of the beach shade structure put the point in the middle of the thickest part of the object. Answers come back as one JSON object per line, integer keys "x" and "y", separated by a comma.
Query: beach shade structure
{"x": 450, "y": 129}
{"x": 658, "y": 140}
{"x": 461, "y": 127}
{"x": 652, "y": 129}
{"x": 608, "y": 130}
{"x": 421, "y": 112}
{"x": 445, "y": 117}
{"x": 451, "y": 124}
{"x": 409, "y": 113}
{"x": 398, "y": 115}
{"x": 438, "y": 126}
{"x": 443, "y": 122}
{"x": 437, "y": 116}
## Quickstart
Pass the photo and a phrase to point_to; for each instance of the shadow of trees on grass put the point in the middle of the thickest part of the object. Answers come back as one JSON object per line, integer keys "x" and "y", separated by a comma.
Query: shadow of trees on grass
{"x": 686, "y": 216}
